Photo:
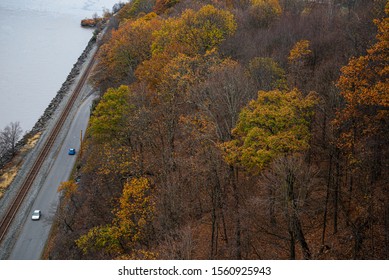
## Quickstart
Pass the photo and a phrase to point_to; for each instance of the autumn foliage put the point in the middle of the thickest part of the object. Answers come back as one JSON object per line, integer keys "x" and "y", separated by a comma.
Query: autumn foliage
{"x": 275, "y": 123}
{"x": 235, "y": 130}
{"x": 365, "y": 87}
{"x": 124, "y": 237}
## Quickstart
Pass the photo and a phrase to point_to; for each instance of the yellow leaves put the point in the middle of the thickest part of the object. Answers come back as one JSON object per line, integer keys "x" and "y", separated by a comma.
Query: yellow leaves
{"x": 299, "y": 62}
{"x": 102, "y": 238}
{"x": 128, "y": 229}
{"x": 68, "y": 189}
{"x": 207, "y": 28}
{"x": 274, "y": 5}
{"x": 275, "y": 123}
{"x": 173, "y": 77}
{"x": 194, "y": 32}
{"x": 263, "y": 12}
{"x": 136, "y": 209}
{"x": 106, "y": 122}
{"x": 166, "y": 37}
{"x": 299, "y": 51}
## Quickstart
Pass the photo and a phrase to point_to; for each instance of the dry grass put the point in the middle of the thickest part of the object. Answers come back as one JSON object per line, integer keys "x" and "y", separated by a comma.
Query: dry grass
{"x": 8, "y": 173}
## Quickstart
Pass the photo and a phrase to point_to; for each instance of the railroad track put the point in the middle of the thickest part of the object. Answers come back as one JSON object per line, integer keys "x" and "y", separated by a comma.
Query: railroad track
{"x": 29, "y": 179}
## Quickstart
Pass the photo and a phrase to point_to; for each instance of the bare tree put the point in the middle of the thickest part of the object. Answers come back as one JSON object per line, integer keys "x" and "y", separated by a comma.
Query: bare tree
{"x": 9, "y": 137}
{"x": 292, "y": 182}
{"x": 222, "y": 96}
{"x": 3, "y": 147}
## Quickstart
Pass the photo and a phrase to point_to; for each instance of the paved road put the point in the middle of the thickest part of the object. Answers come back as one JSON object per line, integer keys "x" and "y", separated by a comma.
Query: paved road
{"x": 33, "y": 236}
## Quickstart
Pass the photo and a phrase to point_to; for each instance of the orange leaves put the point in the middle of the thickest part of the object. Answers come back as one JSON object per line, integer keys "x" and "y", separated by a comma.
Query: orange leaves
{"x": 364, "y": 84}
{"x": 173, "y": 76}
{"x": 153, "y": 42}
{"x": 128, "y": 46}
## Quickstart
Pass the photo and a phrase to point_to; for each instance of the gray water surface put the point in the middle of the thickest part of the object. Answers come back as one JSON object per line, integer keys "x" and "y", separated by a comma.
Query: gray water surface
{"x": 40, "y": 40}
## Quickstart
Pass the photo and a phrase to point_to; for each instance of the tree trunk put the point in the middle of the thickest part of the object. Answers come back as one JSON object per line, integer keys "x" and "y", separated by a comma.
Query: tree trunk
{"x": 295, "y": 221}
{"x": 272, "y": 216}
{"x": 300, "y": 237}
{"x": 237, "y": 249}
{"x": 386, "y": 220}
{"x": 292, "y": 244}
{"x": 329, "y": 180}
{"x": 213, "y": 235}
{"x": 336, "y": 191}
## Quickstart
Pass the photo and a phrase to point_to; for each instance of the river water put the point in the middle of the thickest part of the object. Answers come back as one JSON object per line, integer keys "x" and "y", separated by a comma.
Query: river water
{"x": 40, "y": 40}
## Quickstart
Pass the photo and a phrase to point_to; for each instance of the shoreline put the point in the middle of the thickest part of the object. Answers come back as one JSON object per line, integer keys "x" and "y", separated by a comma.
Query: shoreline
{"x": 41, "y": 123}
{"x": 54, "y": 103}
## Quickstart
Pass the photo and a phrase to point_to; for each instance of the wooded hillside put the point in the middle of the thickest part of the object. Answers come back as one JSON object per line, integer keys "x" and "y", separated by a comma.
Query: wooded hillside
{"x": 237, "y": 129}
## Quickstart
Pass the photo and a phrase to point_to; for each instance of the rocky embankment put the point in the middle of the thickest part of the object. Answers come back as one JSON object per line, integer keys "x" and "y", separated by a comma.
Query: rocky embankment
{"x": 41, "y": 123}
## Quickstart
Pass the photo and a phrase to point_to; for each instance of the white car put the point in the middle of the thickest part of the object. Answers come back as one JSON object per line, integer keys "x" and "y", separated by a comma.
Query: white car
{"x": 36, "y": 215}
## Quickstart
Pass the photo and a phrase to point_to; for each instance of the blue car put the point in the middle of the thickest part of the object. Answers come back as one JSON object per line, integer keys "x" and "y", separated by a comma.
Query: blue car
{"x": 72, "y": 151}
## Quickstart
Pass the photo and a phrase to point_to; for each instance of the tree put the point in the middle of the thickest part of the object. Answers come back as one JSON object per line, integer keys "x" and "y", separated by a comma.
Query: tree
{"x": 264, "y": 12}
{"x": 362, "y": 130}
{"x": 121, "y": 54}
{"x": 267, "y": 74}
{"x": 222, "y": 94}
{"x": 365, "y": 88}
{"x": 161, "y": 6}
{"x": 275, "y": 124}
{"x": 135, "y": 8}
{"x": 107, "y": 121}
{"x": 363, "y": 122}
{"x": 68, "y": 190}
{"x": 10, "y": 136}
{"x": 125, "y": 237}
{"x": 299, "y": 63}
{"x": 293, "y": 6}
{"x": 220, "y": 97}
{"x": 194, "y": 32}
{"x": 291, "y": 184}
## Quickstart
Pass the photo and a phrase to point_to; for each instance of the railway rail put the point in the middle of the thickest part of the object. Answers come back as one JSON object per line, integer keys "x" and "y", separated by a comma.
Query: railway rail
{"x": 29, "y": 179}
